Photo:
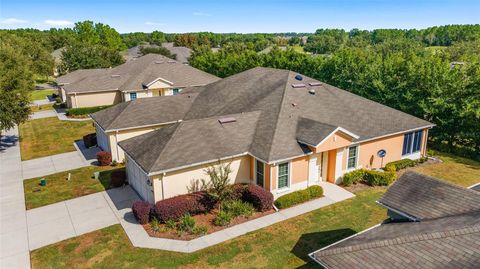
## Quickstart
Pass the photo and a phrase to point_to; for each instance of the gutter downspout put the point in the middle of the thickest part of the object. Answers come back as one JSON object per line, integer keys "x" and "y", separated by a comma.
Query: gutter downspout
{"x": 116, "y": 145}
{"x": 76, "y": 103}
{"x": 163, "y": 193}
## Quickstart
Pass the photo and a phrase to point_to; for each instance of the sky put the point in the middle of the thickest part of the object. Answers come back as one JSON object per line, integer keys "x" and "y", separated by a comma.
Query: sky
{"x": 247, "y": 16}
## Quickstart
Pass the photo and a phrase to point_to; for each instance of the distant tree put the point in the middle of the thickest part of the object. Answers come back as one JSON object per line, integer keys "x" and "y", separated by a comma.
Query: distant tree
{"x": 85, "y": 56}
{"x": 157, "y": 50}
{"x": 15, "y": 85}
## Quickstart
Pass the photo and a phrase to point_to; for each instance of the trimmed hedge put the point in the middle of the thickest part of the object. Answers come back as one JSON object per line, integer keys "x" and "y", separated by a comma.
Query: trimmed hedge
{"x": 118, "y": 178}
{"x": 84, "y": 111}
{"x": 401, "y": 164}
{"x": 90, "y": 140}
{"x": 141, "y": 210}
{"x": 176, "y": 207}
{"x": 370, "y": 177}
{"x": 260, "y": 198}
{"x": 104, "y": 158}
{"x": 298, "y": 197}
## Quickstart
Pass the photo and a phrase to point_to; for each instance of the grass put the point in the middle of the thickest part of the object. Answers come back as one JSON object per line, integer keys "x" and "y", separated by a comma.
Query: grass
{"x": 42, "y": 108}
{"x": 283, "y": 245}
{"x": 457, "y": 170}
{"x": 270, "y": 247}
{"x": 59, "y": 188}
{"x": 41, "y": 94}
{"x": 49, "y": 136}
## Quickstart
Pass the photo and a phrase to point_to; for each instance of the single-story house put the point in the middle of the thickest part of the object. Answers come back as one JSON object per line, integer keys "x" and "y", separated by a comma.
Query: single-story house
{"x": 440, "y": 229}
{"x": 279, "y": 129}
{"x": 182, "y": 54}
{"x": 147, "y": 76}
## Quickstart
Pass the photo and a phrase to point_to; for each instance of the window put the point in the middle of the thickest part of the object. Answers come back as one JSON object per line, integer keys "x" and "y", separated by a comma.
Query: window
{"x": 175, "y": 91}
{"x": 412, "y": 142}
{"x": 352, "y": 157}
{"x": 283, "y": 176}
{"x": 259, "y": 172}
{"x": 133, "y": 95}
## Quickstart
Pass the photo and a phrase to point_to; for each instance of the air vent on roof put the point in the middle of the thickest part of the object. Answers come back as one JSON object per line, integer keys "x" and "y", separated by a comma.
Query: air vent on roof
{"x": 171, "y": 61}
{"x": 315, "y": 84}
{"x": 299, "y": 85}
{"x": 159, "y": 62}
{"x": 311, "y": 91}
{"x": 298, "y": 77}
{"x": 227, "y": 120}
{"x": 115, "y": 76}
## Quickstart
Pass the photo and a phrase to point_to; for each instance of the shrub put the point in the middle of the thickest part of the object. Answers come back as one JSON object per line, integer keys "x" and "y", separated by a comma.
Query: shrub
{"x": 90, "y": 140}
{"x": 237, "y": 192}
{"x": 171, "y": 224}
{"x": 141, "y": 210}
{"x": 104, "y": 158}
{"x": 223, "y": 218}
{"x": 397, "y": 165}
{"x": 186, "y": 223}
{"x": 155, "y": 224}
{"x": 260, "y": 198}
{"x": 353, "y": 177}
{"x": 176, "y": 207}
{"x": 199, "y": 230}
{"x": 58, "y": 100}
{"x": 298, "y": 197}
{"x": 84, "y": 111}
{"x": 238, "y": 208}
{"x": 54, "y": 95}
{"x": 118, "y": 178}
{"x": 378, "y": 178}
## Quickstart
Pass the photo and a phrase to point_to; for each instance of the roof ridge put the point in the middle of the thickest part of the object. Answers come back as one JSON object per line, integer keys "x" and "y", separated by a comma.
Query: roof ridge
{"x": 278, "y": 115}
{"x": 178, "y": 125}
{"x": 119, "y": 114}
{"x": 403, "y": 240}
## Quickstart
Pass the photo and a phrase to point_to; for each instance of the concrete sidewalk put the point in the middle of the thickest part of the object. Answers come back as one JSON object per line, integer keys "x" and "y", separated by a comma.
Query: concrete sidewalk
{"x": 43, "y": 114}
{"x": 60, "y": 162}
{"x": 13, "y": 225}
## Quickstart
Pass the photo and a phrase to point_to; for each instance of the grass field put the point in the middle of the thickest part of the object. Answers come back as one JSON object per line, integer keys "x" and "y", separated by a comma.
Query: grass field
{"x": 42, "y": 108}
{"x": 283, "y": 245}
{"x": 49, "y": 136}
{"x": 42, "y": 94}
{"x": 60, "y": 189}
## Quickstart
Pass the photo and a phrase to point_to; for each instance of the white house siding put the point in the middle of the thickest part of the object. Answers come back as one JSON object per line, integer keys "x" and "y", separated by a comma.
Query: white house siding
{"x": 102, "y": 139}
{"x": 139, "y": 181}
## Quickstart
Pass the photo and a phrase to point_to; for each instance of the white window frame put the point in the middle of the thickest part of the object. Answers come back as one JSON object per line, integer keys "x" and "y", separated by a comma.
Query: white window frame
{"x": 255, "y": 172}
{"x": 412, "y": 143}
{"x": 130, "y": 96}
{"x": 283, "y": 189}
{"x": 356, "y": 157}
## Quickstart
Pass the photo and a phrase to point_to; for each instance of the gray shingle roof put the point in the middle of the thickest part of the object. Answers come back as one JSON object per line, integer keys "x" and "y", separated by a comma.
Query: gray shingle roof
{"x": 192, "y": 141}
{"x": 423, "y": 197}
{"x": 133, "y": 75}
{"x": 313, "y": 132}
{"x": 182, "y": 53}
{"x": 449, "y": 241}
{"x": 282, "y": 107}
{"x": 144, "y": 111}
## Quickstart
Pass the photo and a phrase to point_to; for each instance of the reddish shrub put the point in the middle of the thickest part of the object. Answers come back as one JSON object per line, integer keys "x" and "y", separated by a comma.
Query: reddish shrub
{"x": 175, "y": 207}
{"x": 118, "y": 178}
{"x": 90, "y": 140}
{"x": 260, "y": 198}
{"x": 104, "y": 158}
{"x": 141, "y": 210}
{"x": 237, "y": 191}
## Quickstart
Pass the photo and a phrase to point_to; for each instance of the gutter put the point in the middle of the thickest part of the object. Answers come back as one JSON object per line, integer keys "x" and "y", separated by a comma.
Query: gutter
{"x": 402, "y": 132}
{"x": 412, "y": 218}
{"x": 109, "y": 90}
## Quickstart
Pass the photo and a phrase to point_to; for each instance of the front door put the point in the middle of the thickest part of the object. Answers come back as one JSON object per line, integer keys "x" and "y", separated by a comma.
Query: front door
{"x": 338, "y": 165}
{"x": 312, "y": 171}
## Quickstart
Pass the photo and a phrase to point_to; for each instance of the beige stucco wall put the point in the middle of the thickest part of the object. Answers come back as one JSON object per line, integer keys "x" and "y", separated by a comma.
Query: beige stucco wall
{"x": 177, "y": 182}
{"x": 334, "y": 141}
{"x": 114, "y": 137}
{"x": 94, "y": 99}
{"x": 299, "y": 170}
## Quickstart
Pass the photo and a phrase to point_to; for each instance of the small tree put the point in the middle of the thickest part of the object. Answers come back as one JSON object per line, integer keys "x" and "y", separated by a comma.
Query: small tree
{"x": 219, "y": 187}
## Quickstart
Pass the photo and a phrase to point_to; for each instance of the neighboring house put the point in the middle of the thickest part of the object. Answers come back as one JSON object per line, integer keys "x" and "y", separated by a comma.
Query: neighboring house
{"x": 280, "y": 130}
{"x": 147, "y": 76}
{"x": 443, "y": 231}
{"x": 182, "y": 53}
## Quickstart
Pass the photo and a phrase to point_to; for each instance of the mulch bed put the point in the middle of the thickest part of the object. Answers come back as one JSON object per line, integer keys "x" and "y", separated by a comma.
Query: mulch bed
{"x": 201, "y": 220}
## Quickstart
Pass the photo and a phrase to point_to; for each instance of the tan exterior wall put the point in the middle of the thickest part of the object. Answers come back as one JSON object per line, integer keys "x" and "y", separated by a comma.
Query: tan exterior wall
{"x": 94, "y": 99}
{"x": 117, "y": 153}
{"x": 273, "y": 176}
{"x": 176, "y": 182}
{"x": 335, "y": 141}
{"x": 299, "y": 170}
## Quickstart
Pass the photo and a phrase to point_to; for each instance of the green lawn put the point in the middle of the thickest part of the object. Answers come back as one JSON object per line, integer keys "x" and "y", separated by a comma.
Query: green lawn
{"x": 283, "y": 245}
{"x": 458, "y": 170}
{"x": 42, "y": 108}
{"x": 59, "y": 188}
{"x": 49, "y": 136}
{"x": 42, "y": 94}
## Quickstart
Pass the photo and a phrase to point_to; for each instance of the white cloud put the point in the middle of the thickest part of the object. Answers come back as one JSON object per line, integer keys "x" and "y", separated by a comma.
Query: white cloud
{"x": 13, "y": 21}
{"x": 155, "y": 23}
{"x": 58, "y": 22}
{"x": 201, "y": 14}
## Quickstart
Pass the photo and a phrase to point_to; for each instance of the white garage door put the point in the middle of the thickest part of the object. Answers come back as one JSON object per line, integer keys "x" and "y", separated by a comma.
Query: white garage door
{"x": 139, "y": 181}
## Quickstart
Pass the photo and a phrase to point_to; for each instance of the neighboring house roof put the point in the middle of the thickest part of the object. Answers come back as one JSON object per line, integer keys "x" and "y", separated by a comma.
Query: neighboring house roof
{"x": 78, "y": 75}
{"x": 313, "y": 133}
{"x": 270, "y": 48}
{"x": 144, "y": 112}
{"x": 421, "y": 197}
{"x": 135, "y": 74}
{"x": 449, "y": 241}
{"x": 193, "y": 141}
{"x": 282, "y": 105}
{"x": 182, "y": 53}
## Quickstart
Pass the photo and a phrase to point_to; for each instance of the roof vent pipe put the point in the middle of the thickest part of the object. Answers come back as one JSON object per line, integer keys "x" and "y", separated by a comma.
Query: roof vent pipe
{"x": 298, "y": 77}
{"x": 312, "y": 92}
